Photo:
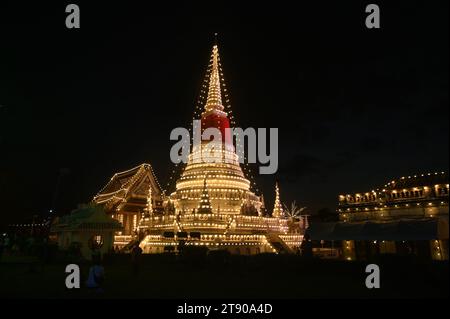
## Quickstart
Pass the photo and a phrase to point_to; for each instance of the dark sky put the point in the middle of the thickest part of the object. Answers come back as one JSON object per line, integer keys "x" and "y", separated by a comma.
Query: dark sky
{"x": 354, "y": 107}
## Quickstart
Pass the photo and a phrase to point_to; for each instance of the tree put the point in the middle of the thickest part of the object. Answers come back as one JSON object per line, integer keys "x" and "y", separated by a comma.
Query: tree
{"x": 294, "y": 211}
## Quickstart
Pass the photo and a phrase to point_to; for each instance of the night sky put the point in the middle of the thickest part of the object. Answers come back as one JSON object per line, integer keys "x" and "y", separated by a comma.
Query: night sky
{"x": 355, "y": 107}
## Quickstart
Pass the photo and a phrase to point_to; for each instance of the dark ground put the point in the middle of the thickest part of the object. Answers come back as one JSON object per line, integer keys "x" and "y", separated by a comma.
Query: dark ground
{"x": 263, "y": 276}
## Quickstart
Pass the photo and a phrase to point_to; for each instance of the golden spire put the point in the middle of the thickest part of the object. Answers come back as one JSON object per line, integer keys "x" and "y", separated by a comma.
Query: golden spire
{"x": 277, "y": 208}
{"x": 204, "y": 206}
{"x": 214, "y": 100}
{"x": 149, "y": 206}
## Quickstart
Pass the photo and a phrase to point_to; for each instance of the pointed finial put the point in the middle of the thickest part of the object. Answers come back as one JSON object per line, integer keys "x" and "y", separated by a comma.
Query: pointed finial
{"x": 214, "y": 99}
{"x": 215, "y": 38}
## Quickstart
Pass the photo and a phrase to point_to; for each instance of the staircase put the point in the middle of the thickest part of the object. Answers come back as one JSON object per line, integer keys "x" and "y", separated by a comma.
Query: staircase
{"x": 178, "y": 225}
{"x": 125, "y": 242}
{"x": 278, "y": 244}
{"x": 127, "y": 248}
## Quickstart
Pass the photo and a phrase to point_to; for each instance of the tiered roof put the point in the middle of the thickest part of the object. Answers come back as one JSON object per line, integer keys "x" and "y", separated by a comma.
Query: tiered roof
{"x": 130, "y": 187}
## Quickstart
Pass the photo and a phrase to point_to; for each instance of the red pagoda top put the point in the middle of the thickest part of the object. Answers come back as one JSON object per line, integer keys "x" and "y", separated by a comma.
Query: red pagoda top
{"x": 213, "y": 115}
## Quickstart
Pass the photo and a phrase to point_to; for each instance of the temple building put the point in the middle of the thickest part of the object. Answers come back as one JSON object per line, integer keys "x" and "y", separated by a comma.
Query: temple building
{"x": 128, "y": 195}
{"x": 417, "y": 196}
{"x": 408, "y": 215}
{"x": 212, "y": 204}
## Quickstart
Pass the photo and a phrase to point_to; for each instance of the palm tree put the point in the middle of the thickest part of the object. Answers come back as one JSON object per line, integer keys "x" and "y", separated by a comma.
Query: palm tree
{"x": 294, "y": 211}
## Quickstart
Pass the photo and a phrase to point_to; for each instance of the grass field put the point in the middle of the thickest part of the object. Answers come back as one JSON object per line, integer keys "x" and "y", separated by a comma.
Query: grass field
{"x": 263, "y": 276}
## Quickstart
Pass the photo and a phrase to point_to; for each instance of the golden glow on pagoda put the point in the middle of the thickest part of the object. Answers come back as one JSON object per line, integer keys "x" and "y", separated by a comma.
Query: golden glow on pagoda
{"x": 228, "y": 188}
{"x": 213, "y": 205}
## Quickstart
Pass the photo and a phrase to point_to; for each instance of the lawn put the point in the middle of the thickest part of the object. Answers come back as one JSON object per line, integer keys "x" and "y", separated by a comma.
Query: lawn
{"x": 263, "y": 276}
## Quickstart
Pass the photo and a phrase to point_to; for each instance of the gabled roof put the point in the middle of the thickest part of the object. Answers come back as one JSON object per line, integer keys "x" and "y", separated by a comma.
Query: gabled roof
{"x": 130, "y": 181}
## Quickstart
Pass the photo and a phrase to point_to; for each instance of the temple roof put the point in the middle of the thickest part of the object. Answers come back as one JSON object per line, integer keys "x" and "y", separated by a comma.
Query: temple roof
{"x": 129, "y": 185}
{"x": 418, "y": 180}
{"x": 428, "y": 179}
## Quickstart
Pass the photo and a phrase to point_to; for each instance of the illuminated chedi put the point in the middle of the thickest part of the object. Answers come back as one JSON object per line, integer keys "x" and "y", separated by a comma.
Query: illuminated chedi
{"x": 227, "y": 186}
{"x": 213, "y": 205}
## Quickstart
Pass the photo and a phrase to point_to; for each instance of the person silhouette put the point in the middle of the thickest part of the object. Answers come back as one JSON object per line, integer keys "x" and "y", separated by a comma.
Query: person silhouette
{"x": 96, "y": 275}
{"x": 306, "y": 247}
